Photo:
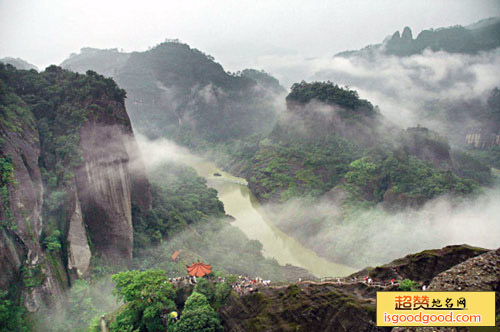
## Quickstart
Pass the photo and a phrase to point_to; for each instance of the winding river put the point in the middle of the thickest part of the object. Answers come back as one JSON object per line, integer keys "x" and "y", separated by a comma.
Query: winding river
{"x": 240, "y": 203}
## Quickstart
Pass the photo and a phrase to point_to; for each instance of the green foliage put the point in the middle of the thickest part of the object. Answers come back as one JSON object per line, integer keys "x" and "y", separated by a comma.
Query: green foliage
{"x": 81, "y": 306}
{"x": 32, "y": 276}
{"x": 6, "y": 178}
{"x": 180, "y": 198}
{"x": 79, "y": 311}
{"x": 12, "y": 316}
{"x": 489, "y": 156}
{"x": 206, "y": 288}
{"x": 148, "y": 297}
{"x": 95, "y": 325}
{"x": 418, "y": 178}
{"x": 301, "y": 167}
{"x": 473, "y": 165}
{"x": 330, "y": 93}
{"x": 136, "y": 285}
{"x": 53, "y": 241}
{"x": 198, "y": 316}
{"x": 222, "y": 292}
{"x": 408, "y": 285}
{"x": 404, "y": 174}
{"x": 362, "y": 172}
{"x": 57, "y": 103}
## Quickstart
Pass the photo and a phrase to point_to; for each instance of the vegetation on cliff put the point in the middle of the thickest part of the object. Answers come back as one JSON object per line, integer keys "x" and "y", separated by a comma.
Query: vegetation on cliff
{"x": 40, "y": 122}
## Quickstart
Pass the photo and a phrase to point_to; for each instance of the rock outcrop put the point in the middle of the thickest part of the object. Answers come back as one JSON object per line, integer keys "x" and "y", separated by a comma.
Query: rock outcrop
{"x": 306, "y": 307}
{"x": 79, "y": 253}
{"x": 422, "y": 266}
{"x": 480, "y": 273}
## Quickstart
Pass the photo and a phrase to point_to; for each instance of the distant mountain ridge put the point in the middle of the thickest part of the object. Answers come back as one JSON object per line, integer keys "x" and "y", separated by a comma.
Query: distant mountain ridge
{"x": 474, "y": 38}
{"x": 180, "y": 92}
{"x": 19, "y": 63}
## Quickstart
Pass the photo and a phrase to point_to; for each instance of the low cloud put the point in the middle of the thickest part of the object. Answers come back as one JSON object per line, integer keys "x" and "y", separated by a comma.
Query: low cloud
{"x": 375, "y": 236}
{"x": 404, "y": 87}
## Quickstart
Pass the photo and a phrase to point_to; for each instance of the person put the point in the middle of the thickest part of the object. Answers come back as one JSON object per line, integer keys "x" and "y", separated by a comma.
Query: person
{"x": 392, "y": 281}
{"x": 369, "y": 280}
{"x": 174, "y": 315}
{"x": 338, "y": 280}
{"x": 424, "y": 287}
{"x": 366, "y": 279}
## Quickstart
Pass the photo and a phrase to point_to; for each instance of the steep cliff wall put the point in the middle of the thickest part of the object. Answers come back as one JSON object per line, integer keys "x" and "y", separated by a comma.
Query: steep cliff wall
{"x": 104, "y": 188}
{"x": 22, "y": 258}
{"x": 71, "y": 171}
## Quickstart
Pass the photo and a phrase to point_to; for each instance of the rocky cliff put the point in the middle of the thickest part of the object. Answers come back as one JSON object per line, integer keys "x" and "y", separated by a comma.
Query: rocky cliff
{"x": 329, "y": 306}
{"x": 70, "y": 173}
{"x": 305, "y": 307}
{"x": 480, "y": 273}
{"x": 21, "y": 254}
{"x": 422, "y": 266}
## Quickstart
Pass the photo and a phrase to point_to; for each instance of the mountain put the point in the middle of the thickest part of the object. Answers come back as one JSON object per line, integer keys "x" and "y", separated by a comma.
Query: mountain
{"x": 180, "y": 92}
{"x": 70, "y": 174}
{"x": 477, "y": 37}
{"x": 18, "y": 63}
{"x": 330, "y": 137}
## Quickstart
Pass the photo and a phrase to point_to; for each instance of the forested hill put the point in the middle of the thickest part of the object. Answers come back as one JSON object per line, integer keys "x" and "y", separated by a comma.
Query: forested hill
{"x": 331, "y": 139}
{"x": 481, "y": 36}
{"x": 180, "y": 92}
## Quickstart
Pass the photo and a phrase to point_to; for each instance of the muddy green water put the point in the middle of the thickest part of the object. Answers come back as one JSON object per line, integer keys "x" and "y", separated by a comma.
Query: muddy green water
{"x": 240, "y": 203}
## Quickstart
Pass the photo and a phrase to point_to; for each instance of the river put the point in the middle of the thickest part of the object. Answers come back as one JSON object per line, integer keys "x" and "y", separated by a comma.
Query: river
{"x": 240, "y": 203}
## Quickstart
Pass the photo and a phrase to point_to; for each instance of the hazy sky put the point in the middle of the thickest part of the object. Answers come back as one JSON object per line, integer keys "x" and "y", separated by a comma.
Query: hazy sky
{"x": 238, "y": 33}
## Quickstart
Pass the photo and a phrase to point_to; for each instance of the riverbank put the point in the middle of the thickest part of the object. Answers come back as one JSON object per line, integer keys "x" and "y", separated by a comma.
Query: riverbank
{"x": 240, "y": 203}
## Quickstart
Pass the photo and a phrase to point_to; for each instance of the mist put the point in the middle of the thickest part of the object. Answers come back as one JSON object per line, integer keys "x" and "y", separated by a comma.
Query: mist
{"x": 375, "y": 236}
{"x": 406, "y": 87}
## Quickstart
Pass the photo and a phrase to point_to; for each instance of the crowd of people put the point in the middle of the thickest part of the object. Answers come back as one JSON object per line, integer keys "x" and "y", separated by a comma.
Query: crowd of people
{"x": 185, "y": 279}
{"x": 366, "y": 279}
{"x": 245, "y": 285}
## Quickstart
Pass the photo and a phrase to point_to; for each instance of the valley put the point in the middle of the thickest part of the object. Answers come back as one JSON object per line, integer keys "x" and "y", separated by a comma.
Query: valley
{"x": 154, "y": 189}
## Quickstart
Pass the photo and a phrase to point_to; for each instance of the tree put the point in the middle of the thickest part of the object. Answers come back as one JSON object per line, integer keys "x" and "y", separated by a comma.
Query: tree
{"x": 11, "y": 315}
{"x": 148, "y": 297}
{"x": 198, "y": 316}
{"x": 408, "y": 285}
{"x": 206, "y": 288}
